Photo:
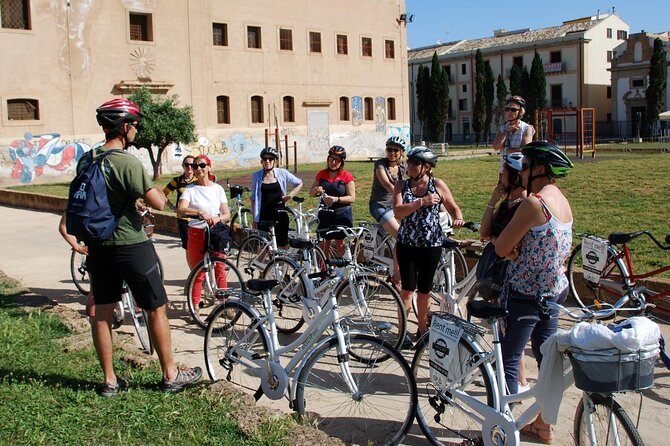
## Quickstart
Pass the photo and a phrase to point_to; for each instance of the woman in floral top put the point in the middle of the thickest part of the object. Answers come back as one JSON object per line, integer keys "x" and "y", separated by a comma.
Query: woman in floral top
{"x": 537, "y": 240}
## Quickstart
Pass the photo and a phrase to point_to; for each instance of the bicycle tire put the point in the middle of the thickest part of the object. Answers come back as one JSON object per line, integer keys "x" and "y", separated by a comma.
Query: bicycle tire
{"x": 441, "y": 422}
{"x": 230, "y": 327}
{"x": 140, "y": 322}
{"x": 604, "y": 405}
{"x": 288, "y": 294}
{"x": 613, "y": 273}
{"x": 384, "y": 308}
{"x": 79, "y": 272}
{"x": 461, "y": 267}
{"x": 210, "y": 281}
{"x": 240, "y": 223}
{"x": 247, "y": 254}
{"x": 381, "y": 413}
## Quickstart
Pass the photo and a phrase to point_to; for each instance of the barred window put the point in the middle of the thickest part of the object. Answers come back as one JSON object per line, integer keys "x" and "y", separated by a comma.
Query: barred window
{"x": 369, "y": 109}
{"x": 286, "y": 39}
{"x": 314, "y": 42}
{"x": 254, "y": 37}
{"x": 342, "y": 44}
{"x": 257, "y": 109}
{"x": 289, "y": 108}
{"x": 15, "y": 14}
{"x": 223, "y": 109}
{"x": 140, "y": 27}
{"x": 366, "y": 46}
{"x": 23, "y": 109}
{"x": 344, "y": 108}
{"x": 389, "y": 49}
{"x": 219, "y": 34}
{"x": 390, "y": 109}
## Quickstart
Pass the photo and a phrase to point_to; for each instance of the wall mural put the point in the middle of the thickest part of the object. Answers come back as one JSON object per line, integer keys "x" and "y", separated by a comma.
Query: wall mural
{"x": 32, "y": 154}
{"x": 356, "y": 110}
{"x": 238, "y": 150}
{"x": 380, "y": 114}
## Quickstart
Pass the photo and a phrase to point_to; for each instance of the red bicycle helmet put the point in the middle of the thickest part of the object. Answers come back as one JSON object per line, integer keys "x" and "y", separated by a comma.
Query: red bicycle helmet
{"x": 112, "y": 114}
{"x": 338, "y": 151}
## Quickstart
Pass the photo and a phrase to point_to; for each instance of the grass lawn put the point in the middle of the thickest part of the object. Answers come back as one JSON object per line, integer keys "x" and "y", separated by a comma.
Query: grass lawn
{"x": 48, "y": 395}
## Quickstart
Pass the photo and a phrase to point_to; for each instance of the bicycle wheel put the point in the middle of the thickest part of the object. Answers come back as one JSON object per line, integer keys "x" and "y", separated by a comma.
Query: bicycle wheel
{"x": 611, "y": 424}
{"x": 461, "y": 268}
{"x": 287, "y": 304}
{"x": 234, "y": 342}
{"x": 140, "y": 321}
{"x": 379, "y": 413}
{"x": 79, "y": 272}
{"x": 205, "y": 279}
{"x": 247, "y": 256}
{"x": 241, "y": 222}
{"x": 442, "y": 420}
{"x": 610, "y": 288}
{"x": 380, "y": 310}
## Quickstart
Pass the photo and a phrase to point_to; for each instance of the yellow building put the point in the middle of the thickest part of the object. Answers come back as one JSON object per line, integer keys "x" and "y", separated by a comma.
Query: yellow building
{"x": 323, "y": 72}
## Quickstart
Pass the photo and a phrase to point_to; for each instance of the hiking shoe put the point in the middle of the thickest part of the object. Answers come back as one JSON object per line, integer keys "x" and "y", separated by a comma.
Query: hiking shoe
{"x": 407, "y": 343}
{"x": 185, "y": 377}
{"x": 108, "y": 390}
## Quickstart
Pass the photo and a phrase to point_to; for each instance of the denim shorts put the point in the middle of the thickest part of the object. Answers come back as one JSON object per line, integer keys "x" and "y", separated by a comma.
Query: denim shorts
{"x": 380, "y": 212}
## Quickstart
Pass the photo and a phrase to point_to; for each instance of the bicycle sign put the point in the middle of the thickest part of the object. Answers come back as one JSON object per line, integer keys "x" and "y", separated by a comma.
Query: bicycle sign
{"x": 443, "y": 339}
{"x": 594, "y": 256}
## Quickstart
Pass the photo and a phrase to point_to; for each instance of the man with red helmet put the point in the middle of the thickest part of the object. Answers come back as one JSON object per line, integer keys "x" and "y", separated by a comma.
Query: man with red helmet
{"x": 128, "y": 255}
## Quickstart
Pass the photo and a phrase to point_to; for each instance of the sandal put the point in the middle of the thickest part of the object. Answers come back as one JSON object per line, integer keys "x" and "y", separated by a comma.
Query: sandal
{"x": 109, "y": 390}
{"x": 542, "y": 434}
{"x": 185, "y": 377}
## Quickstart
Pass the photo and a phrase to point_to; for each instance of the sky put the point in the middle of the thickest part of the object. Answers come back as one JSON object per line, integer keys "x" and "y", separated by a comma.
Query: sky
{"x": 448, "y": 20}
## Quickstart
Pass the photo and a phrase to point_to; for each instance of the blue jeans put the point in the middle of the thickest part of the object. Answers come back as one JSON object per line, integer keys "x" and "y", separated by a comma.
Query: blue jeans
{"x": 518, "y": 332}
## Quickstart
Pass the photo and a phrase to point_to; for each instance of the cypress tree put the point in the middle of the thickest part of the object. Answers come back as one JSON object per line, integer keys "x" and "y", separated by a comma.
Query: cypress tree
{"x": 657, "y": 82}
{"x": 489, "y": 96}
{"x": 515, "y": 80}
{"x": 501, "y": 96}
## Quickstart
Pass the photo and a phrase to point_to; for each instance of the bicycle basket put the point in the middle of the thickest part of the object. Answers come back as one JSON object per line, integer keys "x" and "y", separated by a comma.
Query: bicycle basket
{"x": 236, "y": 191}
{"x": 609, "y": 371}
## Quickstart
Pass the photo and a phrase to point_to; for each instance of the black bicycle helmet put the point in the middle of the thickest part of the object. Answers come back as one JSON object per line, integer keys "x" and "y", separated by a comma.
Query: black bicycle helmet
{"x": 270, "y": 151}
{"x": 338, "y": 151}
{"x": 549, "y": 155}
{"x": 423, "y": 154}
{"x": 521, "y": 102}
{"x": 396, "y": 141}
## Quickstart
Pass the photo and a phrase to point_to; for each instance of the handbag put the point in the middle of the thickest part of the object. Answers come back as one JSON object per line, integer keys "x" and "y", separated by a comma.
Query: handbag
{"x": 220, "y": 237}
{"x": 491, "y": 272}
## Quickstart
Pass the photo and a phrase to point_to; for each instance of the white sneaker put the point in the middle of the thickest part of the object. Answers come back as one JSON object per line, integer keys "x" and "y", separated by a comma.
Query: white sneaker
{"x": 523, "y": 388}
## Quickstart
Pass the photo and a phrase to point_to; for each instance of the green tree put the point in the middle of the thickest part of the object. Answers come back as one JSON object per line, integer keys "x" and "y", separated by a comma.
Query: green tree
{"x": 489, "y": 96}
{"x": 438, "y": 110}
{"x": 501, "y": 96}
{"x": 422, "y": 96}
{"x": 657, "y": 83}
{"x": 515, "y": 80}
{"x": 479, "y": 110}
{"x": 537, "y": 88}
{"x": 163, "y": 124}
{"x": 524, "y": 91}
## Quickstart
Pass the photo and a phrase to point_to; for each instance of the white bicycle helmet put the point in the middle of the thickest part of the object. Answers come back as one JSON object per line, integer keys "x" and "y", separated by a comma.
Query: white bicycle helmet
{"x": 513, "y": 160}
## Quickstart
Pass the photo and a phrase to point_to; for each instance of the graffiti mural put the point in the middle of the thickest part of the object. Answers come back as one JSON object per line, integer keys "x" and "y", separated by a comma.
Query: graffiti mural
{"x": 33, "y": 154}
{"x": 318, "y": 133}
{"x": 238, "y": 150}
{"x": 356, "y": 110}
{"x": 380, "y": 114}
{"x": 398, "y": 130}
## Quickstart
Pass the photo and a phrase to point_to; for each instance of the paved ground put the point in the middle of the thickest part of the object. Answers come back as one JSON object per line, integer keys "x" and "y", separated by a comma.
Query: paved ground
{"x": 34, "y": 253}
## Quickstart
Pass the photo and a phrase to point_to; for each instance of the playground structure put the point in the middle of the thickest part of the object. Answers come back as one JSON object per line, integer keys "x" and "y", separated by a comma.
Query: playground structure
{"x": 553, "y": 125}
{"x": 282, "y": 142}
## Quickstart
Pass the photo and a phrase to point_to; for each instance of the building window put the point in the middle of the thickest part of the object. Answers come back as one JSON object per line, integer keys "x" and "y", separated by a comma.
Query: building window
{"x": 368, "y": 109}
{"x": 390, "y": 109}
{"x": 556, "y": 95}
{"x": 257, "y": 109}
{"x": 462, "y": 105}
{"x": 366, "y": 46}
{"x": 464, "y": 88}
{"x": 464, "y": 69}
{"x": 286, "y": 39}
{"x": 314, "y": 42}
{"x": 637, "y": 83}
{"x": 220, "y": 34}
{"x": 289, "y": 108}
{"x": 609, "y": 92}
{"x": 342, "y": 45}
{"x": 223, "y": 109}
{"x": 518, "y": 61}
{"x": 609, "y": 56}
{"x": 609, "y": 33}
{"x": 555, "y": 57}
{"x": 389, "y": 49}
{"x": 621, "y": 34}
{"x": 140, "y": 27}
{"x": 254, "y": 37}
{"x": 15, "y": 14}
{"x": 23, "y": 109}
{"x": 344, "y": 108}
{"x": 608, "y": 117}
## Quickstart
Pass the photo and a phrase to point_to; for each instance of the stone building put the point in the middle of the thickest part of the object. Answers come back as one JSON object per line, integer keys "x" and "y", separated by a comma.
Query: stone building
{"x": 318, "y": 74}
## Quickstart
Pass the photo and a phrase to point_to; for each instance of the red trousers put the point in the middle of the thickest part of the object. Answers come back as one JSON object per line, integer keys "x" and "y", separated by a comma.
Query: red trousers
{"x": 195, "y": 252}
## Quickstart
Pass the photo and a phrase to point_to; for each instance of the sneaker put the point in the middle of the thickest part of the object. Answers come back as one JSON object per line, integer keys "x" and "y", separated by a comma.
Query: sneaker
{"x": 108, "y": 390}
{"x": 407, "y": 343}
{"x": 522, "y": 388}
{"x": 185, "y": 377}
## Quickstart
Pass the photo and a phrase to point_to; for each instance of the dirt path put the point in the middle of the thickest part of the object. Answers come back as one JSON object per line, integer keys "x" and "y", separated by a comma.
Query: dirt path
{"x": 34, "y": 253}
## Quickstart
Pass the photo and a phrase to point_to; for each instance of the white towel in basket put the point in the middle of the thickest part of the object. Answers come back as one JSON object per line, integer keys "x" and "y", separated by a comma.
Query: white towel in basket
{"x": 630, "y": 335}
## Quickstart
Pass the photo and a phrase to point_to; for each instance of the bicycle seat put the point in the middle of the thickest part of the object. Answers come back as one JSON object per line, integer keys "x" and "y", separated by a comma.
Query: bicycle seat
{"x": 299, "y": 199}
{"x": 261, "y": 284}
{"x": 621, "y": 238}
{"x": 300, "y": 243}
{"x": 485, "y": 310}
{"x": 450, "y": 243}
{"x": 331, "y": 234}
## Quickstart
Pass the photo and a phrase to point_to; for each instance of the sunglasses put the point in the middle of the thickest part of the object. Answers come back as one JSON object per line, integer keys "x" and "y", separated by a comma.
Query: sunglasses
{"x": 391, "y": 149}
{"x": 186, "y": 165}
{"x": 200, "y": 165}
{"x": 267, "y": 159}
{"x": 137, "y": 125}
{"x": 335, "y": 158}
{"x": 512, "y": 109}
{"x": 413, "y": 162}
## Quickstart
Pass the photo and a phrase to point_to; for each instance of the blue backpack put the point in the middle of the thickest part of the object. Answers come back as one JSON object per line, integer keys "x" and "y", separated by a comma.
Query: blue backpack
{"x": 89, "y": 216}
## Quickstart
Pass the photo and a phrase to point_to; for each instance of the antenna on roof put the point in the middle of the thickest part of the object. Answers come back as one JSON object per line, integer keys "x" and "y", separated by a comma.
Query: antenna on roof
{"x": 612, "y": 10}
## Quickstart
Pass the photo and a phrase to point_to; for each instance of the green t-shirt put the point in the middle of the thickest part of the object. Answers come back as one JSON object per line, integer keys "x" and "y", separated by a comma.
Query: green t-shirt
{"x": 126, "y": 182}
